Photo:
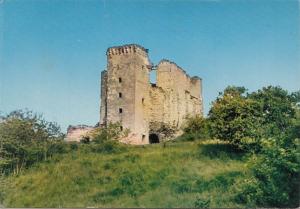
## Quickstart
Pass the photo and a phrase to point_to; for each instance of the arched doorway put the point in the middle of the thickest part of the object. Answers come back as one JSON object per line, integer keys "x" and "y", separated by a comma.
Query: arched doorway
{"x": 153, "y": 138}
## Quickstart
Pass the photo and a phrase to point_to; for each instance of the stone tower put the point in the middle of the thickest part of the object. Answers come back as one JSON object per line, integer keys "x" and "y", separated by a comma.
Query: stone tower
{"x": 125, "y": 87}
{"x": 127, "y": 96}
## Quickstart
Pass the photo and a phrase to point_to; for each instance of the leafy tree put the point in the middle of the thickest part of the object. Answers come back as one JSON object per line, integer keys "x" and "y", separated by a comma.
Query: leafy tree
{"x": 276, "y": 168}
{"x": 235, "y": 118}
{"x": 196, "y": 127}
{"x": 243, "y": 119}
{"x": 234, "y": 90}
{"x": 277, "y": 108}
{"x": 24, "y": 139}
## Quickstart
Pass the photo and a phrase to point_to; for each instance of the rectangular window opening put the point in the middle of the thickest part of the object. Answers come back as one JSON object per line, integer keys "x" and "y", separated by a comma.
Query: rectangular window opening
{"x": 120, "y": 110}
{"x": 120, "y": 95}
{"x": 120, "y": 80}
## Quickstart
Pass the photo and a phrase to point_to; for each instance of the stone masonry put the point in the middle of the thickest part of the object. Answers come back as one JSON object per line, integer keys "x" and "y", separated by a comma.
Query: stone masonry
{"x": 77, "y": 133}
{"x": 128, "y": 97}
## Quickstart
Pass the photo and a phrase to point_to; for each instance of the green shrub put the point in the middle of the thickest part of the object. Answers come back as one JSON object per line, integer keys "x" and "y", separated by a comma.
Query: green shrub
{"x": 57, "y": 147}
{"x": 195, "y": 127}
{"x": 186, "y": 137}
{"x": 276, "y": 174}
{"x": 276, "y": 170}
{"x": 74, "y": 146}
{"x": 248, "y": 192}
{"x": 113, "y": 131}
{"x": 104, "y": 139}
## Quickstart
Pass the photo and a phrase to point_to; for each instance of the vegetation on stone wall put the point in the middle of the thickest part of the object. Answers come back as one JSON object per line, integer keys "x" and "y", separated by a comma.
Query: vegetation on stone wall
{"x": 105, "y": 139}
{"x": 164, "y": 130}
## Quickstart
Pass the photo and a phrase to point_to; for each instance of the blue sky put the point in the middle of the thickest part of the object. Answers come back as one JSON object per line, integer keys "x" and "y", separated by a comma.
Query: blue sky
{"x": 52, "y": 51}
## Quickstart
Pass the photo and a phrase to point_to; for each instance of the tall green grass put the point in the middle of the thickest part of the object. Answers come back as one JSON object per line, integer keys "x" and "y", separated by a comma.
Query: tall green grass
{"x": 177, "y": 174}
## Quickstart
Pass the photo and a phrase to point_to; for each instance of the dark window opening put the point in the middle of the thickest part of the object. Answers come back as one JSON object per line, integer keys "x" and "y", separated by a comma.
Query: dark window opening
{"x": 120, "y": 110}
{"x": 143, "y": 137}
{"x": 153, "y": 138}
{"x": 120, "y": 95}
{"x": 120, "y": 80}
{"x": 121, "y": 128}
{"x": 143, "y": 100}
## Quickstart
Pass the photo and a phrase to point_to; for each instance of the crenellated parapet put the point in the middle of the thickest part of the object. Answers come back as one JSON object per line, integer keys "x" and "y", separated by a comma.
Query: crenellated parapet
{"x": 126, "y": 49}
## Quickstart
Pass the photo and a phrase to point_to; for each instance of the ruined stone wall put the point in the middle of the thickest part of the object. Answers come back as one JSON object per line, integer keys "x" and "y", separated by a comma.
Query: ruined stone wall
{"x": 126, "y": 85}
{"x": 157, "y": 104}
{"x": 182, "y": 94}
{"x": 76, "y": 133}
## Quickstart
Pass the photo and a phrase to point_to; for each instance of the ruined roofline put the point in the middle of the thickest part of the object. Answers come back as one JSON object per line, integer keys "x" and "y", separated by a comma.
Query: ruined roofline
{"x": 125, "y": 49}
{"x": 180, "y": 68}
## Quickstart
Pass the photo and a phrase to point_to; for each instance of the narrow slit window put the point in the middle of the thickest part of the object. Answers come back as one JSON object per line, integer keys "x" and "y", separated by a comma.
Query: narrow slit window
{"x": 120, "y": 95}
{"x": 120, "y": 110}
{"x": 120, "y": 80}
{"x": 121, "y": 128}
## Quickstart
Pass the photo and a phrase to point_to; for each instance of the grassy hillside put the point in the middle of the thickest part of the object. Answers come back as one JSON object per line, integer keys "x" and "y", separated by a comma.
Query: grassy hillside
{"x": 178, "y": 174}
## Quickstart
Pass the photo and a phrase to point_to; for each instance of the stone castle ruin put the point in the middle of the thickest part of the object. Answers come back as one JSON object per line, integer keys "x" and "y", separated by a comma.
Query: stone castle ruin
{"x": 151, "y": 111}
{"x": 77, "y": 133}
